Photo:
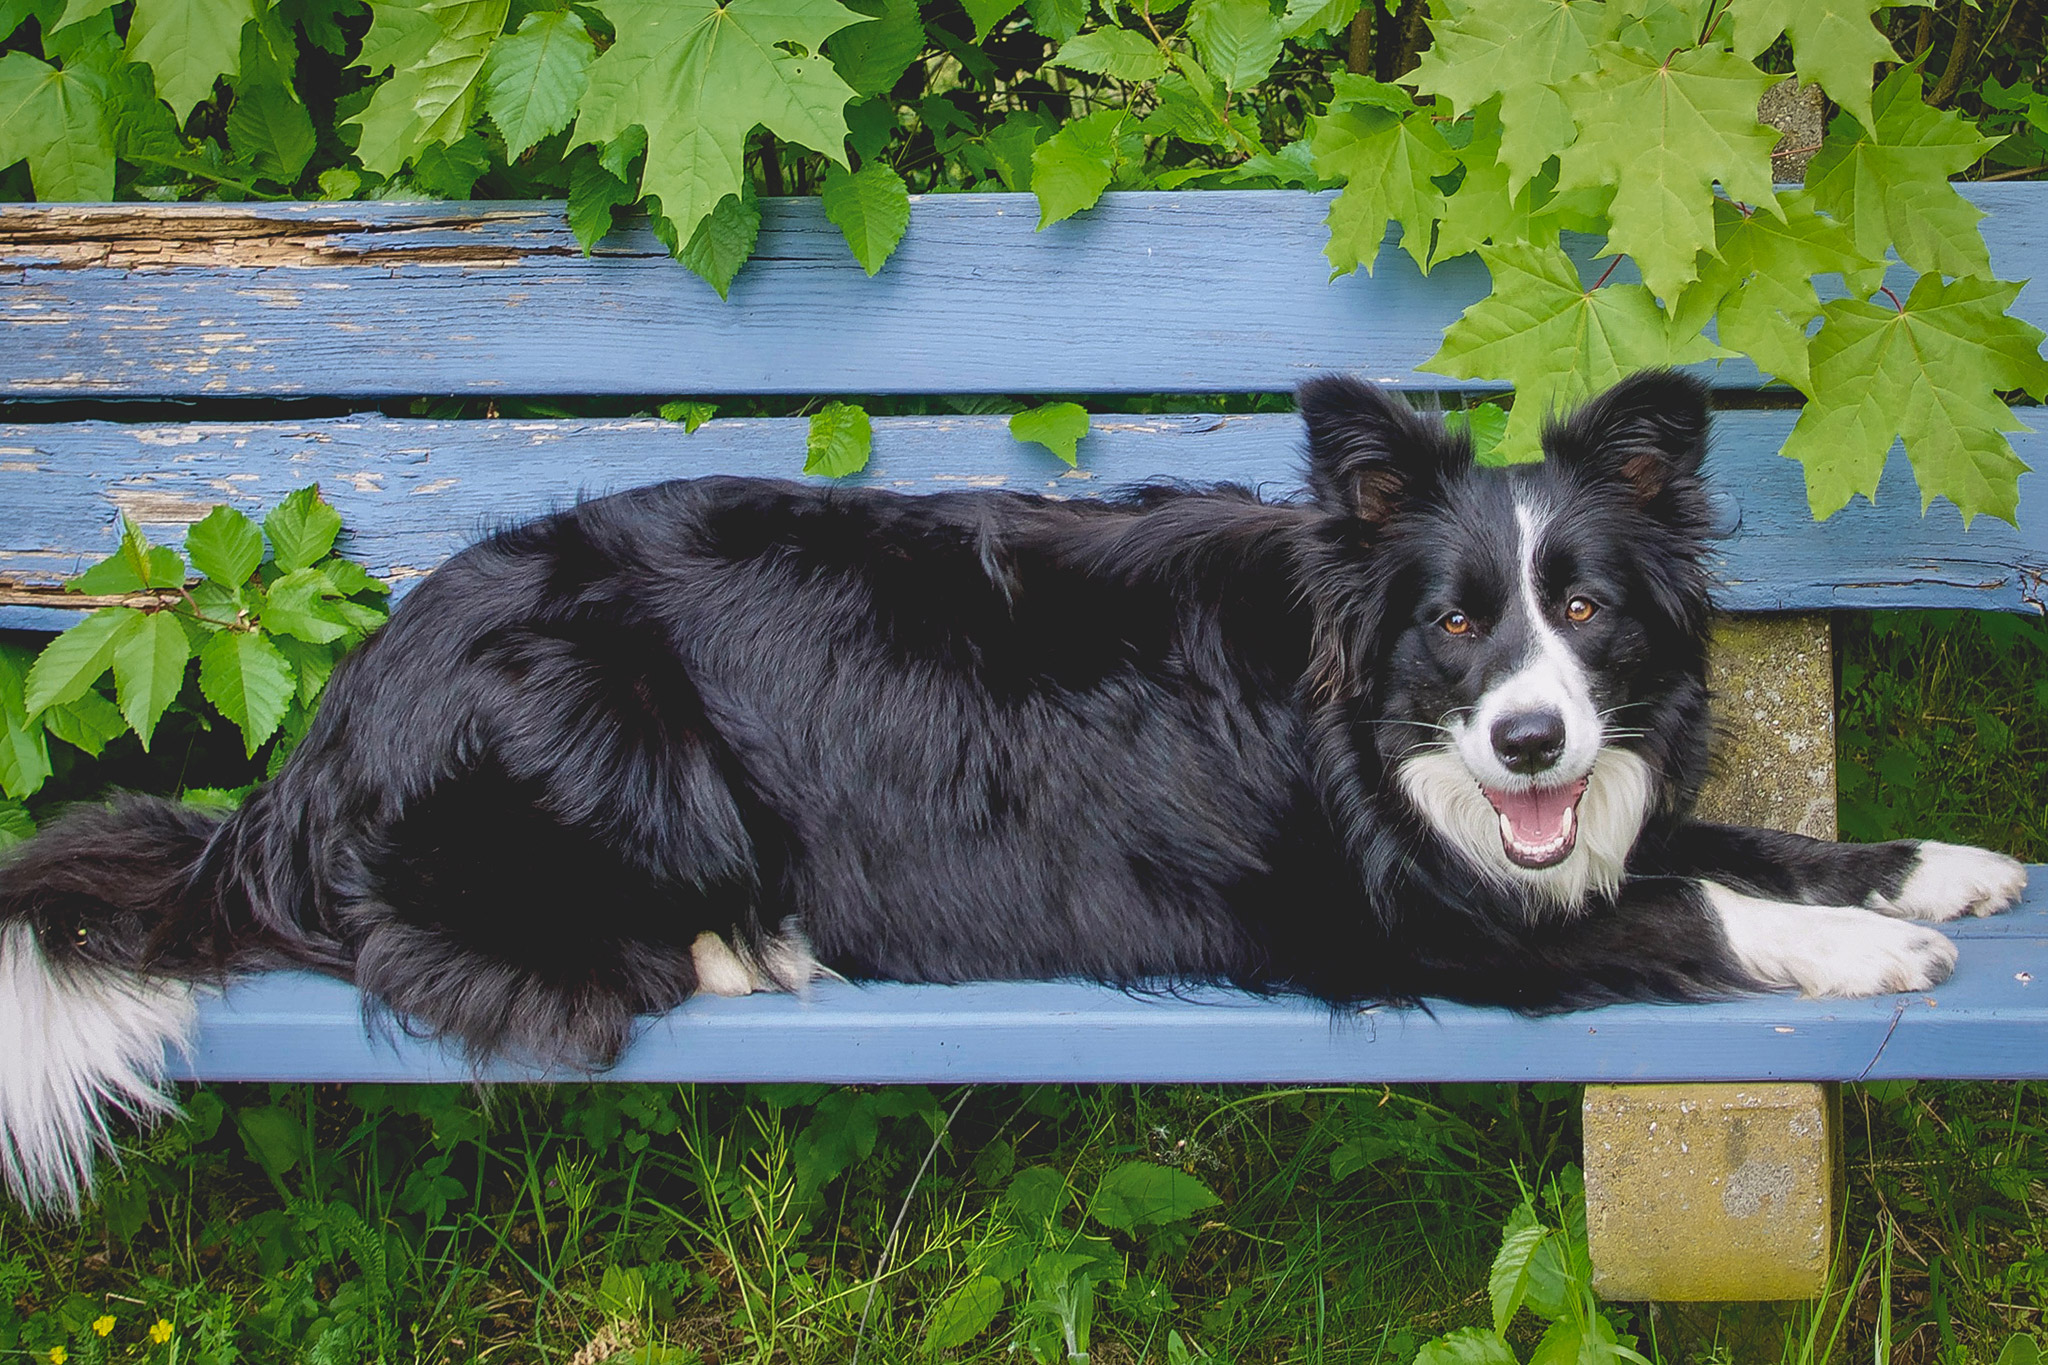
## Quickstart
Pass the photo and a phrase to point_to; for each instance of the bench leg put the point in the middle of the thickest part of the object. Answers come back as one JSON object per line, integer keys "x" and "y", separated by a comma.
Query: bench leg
{"x": 1729, "y": 1192}
{"x": 1712, "y": 1192}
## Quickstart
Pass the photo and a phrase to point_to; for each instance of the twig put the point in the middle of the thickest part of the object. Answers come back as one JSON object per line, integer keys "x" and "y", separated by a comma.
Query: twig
{"x": 1958, "y": 58}
{"x": 902, "y": 1211}
{"x": 2014, "y": 175}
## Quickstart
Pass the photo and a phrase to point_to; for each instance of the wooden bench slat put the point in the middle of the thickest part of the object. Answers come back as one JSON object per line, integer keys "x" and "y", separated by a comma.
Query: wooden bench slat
{"x": 412, "y": 493}
{"x": 1159, "y": 292}
{"x": 1989, "y": 1022}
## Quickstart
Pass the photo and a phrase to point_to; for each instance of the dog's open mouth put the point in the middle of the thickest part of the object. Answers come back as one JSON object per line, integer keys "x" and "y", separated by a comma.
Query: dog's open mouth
{"x": 1538, "y": 826}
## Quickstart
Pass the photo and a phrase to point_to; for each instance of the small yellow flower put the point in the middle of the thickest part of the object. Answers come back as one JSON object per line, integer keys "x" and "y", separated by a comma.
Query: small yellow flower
{"x": 103, "y": 1324}
{"x": 58, "y": 1355}
{"x": 160, "y": 1331}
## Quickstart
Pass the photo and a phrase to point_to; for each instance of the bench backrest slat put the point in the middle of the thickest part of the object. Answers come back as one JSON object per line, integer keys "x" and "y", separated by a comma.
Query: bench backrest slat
{"x": 1193, "y": 291}
{"x": 412, "y": 492}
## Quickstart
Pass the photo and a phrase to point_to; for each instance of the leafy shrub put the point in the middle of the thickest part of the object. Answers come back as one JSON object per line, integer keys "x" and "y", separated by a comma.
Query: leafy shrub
{"x": 264, "y": 625}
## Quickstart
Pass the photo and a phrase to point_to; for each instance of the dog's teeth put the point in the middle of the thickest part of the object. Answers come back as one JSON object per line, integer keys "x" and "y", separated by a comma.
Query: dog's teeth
{"x": 1567, "y": 825}
{"x": 1507, "y": 831}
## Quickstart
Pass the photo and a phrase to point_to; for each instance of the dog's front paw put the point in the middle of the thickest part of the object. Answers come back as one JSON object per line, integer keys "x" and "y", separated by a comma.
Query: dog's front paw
{"x": 1830, "y": 950}
{"x": 1949, "y": 881}
{"x": 1873, "y": 956}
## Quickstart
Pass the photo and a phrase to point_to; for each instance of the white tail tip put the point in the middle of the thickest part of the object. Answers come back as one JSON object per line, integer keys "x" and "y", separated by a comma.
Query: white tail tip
{"x": 77, "y": 1045}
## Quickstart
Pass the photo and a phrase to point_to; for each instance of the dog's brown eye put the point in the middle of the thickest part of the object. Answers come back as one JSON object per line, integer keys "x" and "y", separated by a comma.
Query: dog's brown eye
{"x": 1579, "y": 610}
{"x": 1456, "y": 623}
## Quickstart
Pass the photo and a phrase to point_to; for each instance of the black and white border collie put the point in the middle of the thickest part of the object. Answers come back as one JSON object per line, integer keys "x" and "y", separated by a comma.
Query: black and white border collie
{"x": 1432, "y": 731}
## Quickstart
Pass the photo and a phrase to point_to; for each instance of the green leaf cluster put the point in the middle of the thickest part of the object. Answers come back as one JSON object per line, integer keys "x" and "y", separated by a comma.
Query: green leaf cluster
{"x": 1054, "y": 1269}
{"x": 244, "y": 627}
{"x": 1544, "y": 1269}
{"x": 1493, "y": 127}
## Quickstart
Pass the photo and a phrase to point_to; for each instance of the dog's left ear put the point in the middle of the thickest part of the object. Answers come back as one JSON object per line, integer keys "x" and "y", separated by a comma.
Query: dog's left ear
{"x": 1368, "y": 451}
{"x": 1649, "y": 432}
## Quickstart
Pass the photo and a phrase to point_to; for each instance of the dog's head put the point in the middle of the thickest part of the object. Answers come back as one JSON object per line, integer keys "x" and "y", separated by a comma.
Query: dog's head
{"x": 1535, "y": 671}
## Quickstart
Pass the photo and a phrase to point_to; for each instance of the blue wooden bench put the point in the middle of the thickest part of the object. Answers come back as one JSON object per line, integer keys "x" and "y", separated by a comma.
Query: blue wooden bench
{"x": 237, "y": 307}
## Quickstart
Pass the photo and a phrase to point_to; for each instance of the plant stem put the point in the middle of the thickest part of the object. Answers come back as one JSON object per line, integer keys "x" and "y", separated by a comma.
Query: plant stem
{"x": 1358, "y": 55}
{"x": 1958, "y": 58}
{"x": 896, "y": 1228}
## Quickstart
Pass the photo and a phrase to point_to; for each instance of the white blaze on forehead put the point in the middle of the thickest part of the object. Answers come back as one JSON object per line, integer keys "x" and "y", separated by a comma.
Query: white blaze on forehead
{"x": 1550, "y": 678}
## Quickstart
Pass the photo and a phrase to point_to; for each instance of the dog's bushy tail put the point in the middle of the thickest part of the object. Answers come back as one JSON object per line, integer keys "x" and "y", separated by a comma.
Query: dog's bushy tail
{"x": 109, "y": 920}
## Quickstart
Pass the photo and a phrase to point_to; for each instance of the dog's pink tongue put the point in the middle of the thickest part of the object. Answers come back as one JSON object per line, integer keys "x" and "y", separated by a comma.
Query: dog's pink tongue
{"x": 1540, "y": 826}
{"x": 1537, "y": 816}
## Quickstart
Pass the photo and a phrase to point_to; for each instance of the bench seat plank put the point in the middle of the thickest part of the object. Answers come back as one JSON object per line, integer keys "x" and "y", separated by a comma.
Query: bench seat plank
{"x": 1989, "y": 1022}
{"x": 413, "y": 492}
{"x": 1196, "y": 291}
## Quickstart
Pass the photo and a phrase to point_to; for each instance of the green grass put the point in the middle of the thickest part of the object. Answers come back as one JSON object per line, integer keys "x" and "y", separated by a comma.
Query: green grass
{"x": 1163, "y": 1224}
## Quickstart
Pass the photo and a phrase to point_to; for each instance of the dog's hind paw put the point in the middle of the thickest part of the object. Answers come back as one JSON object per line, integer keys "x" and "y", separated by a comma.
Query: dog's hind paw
{"x": 1949, "y": 881}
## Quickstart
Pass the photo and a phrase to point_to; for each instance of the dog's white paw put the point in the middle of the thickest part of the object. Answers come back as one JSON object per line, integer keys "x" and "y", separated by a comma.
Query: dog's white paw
{"x": 1952, "y": 880}
{"x": 719, "y": 969}
{"x": 1829, "y": 950}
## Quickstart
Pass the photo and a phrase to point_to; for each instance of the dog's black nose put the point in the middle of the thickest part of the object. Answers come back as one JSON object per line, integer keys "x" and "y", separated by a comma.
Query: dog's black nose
{"x": 1529, "y": 741}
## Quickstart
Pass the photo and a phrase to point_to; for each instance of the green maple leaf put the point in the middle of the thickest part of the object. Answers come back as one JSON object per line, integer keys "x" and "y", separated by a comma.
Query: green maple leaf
{"x": 436, "y": 51}
{"x": 1928, "y": 371}
{"x": 1889, "y": 180}
{"x": 1759, "y": 284}
{"x": 1523, "y": 52}
{"x": 1486, "y": 208}
{"x": 1661, "y": 133}
{"x": 699, "y": 77}
{"x": 1239, "y": 40}
{"x": 190, "y": 44}
{"x": 871, "y": 207}
{"x": 57, "y": 121}
{"x": 1834, "y": 43}
{"x": 1556, "y": 341}
{"x": 1389, "y": 164}
{"x": 533, "y": 78}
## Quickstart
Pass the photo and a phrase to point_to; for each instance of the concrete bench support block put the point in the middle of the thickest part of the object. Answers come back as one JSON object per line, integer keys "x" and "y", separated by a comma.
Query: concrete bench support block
{"x": 1711, "y": 1192}
{"x": 1728, "y": 1192}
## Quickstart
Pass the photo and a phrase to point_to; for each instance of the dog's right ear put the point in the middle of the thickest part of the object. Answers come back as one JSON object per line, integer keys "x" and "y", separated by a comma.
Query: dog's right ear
{"x": 1368, "y": 451}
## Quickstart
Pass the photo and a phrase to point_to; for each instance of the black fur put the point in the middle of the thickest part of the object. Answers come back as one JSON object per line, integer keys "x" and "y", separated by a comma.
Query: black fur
{"x": 964, "y": 736}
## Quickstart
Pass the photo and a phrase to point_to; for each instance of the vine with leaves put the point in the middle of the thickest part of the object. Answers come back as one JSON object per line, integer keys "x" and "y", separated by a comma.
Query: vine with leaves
{"x": 1487, "y": 126}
